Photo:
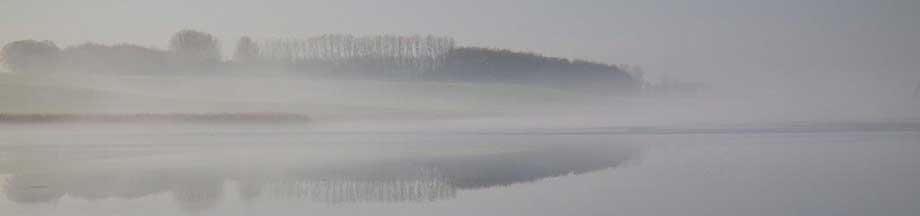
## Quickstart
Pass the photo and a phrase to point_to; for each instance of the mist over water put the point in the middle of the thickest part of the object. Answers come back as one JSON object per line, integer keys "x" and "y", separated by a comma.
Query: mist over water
{"x": 472, "y": 107}
{"x": 420, "y": 135}
{"x": 389, "y": 104}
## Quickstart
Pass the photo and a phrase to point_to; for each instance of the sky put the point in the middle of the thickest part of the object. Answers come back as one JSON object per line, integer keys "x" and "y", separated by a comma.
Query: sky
{"x": 820, "y": 45}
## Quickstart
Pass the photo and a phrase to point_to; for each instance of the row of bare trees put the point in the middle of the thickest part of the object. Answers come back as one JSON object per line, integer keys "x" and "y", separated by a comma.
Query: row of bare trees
{"x": 347, "y": 47}
{"x": 385, "y": 55}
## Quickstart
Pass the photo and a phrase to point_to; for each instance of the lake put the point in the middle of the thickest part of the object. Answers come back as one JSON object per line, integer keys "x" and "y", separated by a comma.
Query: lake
{"x": 291, "y": 171}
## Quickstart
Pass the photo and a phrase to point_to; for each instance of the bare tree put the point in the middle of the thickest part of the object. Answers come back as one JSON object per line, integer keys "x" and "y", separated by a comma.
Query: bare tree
{"x": 247, "y": 51}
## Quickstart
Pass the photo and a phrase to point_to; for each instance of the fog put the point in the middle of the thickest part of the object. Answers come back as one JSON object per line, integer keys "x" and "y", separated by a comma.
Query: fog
{"x": 459, "y": 107}
{"x": 369, "y": 104}
{"x": 759, "y": 61}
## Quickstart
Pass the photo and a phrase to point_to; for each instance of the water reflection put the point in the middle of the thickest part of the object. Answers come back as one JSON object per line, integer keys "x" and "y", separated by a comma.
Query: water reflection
{"x": 200, "y": 181}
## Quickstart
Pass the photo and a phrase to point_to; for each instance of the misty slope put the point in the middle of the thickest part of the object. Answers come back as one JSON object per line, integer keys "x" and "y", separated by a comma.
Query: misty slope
{"x": 197, "y": 94}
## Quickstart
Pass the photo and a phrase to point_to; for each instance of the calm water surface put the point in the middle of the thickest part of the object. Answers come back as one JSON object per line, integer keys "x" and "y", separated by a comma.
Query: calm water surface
{"x": 291, "y": 173}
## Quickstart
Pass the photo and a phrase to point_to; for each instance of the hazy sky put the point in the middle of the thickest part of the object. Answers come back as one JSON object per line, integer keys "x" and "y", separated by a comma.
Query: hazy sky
{"x": 723, "y": 42}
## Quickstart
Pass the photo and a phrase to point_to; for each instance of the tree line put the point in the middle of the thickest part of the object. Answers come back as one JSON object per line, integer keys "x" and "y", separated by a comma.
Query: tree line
{"x": 188, "y": 50}
{"x": 389, "y": 57}
{"x": 484, "y": 64}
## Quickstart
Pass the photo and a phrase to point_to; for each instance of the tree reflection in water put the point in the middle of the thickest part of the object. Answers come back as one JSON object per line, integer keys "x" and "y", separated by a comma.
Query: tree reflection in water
{"x": 395, "y": 179}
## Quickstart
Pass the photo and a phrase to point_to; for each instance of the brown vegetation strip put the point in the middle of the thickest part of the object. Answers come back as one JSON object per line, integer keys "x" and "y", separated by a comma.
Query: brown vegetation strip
{"x": 154, "y": 117}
